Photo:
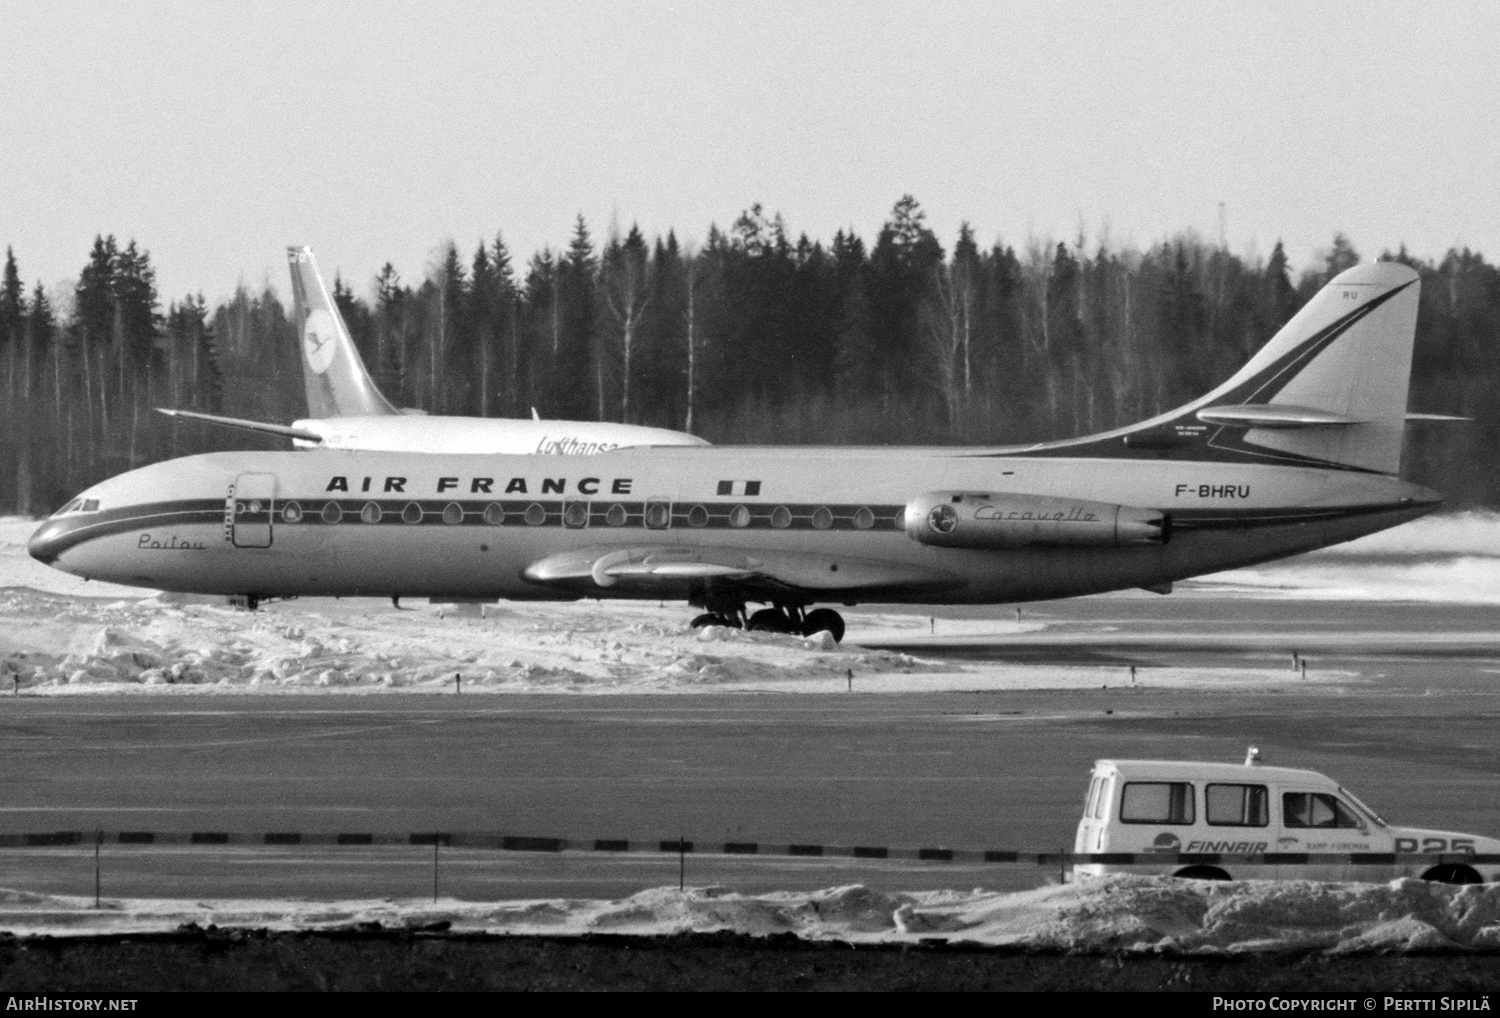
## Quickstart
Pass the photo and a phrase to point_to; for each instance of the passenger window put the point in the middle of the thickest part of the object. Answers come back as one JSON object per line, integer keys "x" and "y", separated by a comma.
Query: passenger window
{"x": 1315, "y": 809}
{"x": 1157, "y": 802}
{"x": 1237, "y": 805}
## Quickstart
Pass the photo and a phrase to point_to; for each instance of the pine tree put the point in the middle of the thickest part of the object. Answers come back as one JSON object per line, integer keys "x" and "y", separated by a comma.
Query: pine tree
{"x": 357, "y": 319}
{"x": 12, "y": 317}
{"x": 482, "y": 315}
{"x": 507, "y": 343}
{"x": 540, "y": 337}
{"x": 575, "y": 349}
{"x": 626, "y": 276}
{"x": 447, "y": 334}
{"x": 902, "y": 265}
{"x": 392, "y": 355}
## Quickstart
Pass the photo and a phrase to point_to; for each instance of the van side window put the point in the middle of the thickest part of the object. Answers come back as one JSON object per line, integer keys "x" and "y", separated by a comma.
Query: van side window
{"x": 1157, "y": 802}
{"x": 1101, "y": 803}
{"x": 1237, "y": 805}
{"x": 1093, "y": 799}
{"x": 1315, "y": 809}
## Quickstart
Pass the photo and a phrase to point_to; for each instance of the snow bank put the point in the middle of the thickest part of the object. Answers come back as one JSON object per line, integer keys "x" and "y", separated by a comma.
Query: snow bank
{"x": 59, "y": 645}
{"x": 56, "y": 639}
{"x": 1443, "y": 559}
{"x": 1115, "y": 914}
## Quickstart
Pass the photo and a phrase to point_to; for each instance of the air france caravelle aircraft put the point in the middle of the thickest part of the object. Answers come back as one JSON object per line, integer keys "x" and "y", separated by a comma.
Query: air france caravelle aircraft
{"x": 347, "y": 411}
{"x": 1299, "y": 450}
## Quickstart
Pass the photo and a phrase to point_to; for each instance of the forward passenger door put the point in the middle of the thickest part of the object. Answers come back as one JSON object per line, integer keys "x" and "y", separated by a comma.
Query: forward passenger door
{"x": 252, "y": 501}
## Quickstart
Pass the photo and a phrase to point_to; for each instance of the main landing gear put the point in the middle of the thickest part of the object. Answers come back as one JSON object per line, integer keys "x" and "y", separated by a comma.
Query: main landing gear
{"x": 780, "y": 619}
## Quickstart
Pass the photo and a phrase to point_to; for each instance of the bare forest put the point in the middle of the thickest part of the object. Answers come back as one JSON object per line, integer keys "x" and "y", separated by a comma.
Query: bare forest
{"x": 752, "y": 337}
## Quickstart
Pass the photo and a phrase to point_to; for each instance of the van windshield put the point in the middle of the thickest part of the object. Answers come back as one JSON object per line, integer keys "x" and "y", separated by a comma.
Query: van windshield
{"x": 1367, "y": 811}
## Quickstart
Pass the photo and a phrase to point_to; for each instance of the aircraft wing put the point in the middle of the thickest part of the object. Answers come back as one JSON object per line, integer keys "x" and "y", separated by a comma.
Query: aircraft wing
{"x": 753, "y": 571}
{"x": 244, "y": 425}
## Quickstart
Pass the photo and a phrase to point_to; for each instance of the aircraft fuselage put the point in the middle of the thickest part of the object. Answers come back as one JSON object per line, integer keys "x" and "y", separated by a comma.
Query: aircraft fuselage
{"x": 823, "y": 524}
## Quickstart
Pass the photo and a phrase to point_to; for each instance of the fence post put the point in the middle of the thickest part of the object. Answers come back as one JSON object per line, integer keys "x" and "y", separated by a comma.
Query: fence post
{"x": 435, "y": 840}
{"x": 98, "y": 840}
{"x": 681, "y": 862}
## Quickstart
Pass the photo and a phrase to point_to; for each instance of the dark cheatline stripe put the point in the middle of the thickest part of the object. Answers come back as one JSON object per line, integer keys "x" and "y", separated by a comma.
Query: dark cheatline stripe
{"x": 741, "y": 848}
{"x": 523, "y": 844}
{"x": 871, "y": 852}
{"x": 936, "y": 854}
{"x": 209, "y": 838}
{"x": 804, "y": 850}
{"x": 552, "y": 513}
{"x": 611, "y": 845}
{"x": 78, "y": 528}
{"x": 283, "y": 838}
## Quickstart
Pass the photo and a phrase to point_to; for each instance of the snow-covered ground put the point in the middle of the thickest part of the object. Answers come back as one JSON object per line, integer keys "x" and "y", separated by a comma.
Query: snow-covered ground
{"x": 1451, "y": 559}
{"x": 1115, "y": 914}
{"x": 61, "y": 635}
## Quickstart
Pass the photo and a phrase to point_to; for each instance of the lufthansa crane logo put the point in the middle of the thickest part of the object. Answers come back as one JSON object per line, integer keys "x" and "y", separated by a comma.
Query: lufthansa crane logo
{"x": 317, "y": 340}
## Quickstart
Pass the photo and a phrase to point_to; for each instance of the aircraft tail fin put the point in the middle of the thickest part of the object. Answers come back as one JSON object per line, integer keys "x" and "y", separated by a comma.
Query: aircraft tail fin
{"x": 335, "y": 377}
{"x": 1328, "y": 390}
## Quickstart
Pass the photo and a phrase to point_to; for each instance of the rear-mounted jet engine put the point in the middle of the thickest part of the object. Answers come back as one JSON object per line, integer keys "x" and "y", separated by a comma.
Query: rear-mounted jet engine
{"x": 958, "y": 519}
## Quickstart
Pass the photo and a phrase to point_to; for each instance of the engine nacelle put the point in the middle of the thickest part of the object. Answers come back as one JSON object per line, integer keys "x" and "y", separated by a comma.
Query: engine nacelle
{"x": 961, "y": 519}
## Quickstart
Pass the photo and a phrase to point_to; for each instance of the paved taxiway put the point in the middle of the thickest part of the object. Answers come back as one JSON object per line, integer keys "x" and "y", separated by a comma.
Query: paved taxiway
{"x": 1414, "y": 733}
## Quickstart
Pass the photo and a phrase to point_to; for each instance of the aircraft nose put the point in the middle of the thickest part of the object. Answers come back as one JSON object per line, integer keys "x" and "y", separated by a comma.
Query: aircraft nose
{"x": 49, "y": 541}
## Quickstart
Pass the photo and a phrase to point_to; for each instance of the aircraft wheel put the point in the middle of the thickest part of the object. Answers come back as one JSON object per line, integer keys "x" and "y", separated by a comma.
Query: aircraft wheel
{"x": 769, "y": 620}
{"x": 1453, "y": 873}
{"x": 824, "y": 618}
{"x": 711, "y": 619}
{"x": 1201, "y": 873}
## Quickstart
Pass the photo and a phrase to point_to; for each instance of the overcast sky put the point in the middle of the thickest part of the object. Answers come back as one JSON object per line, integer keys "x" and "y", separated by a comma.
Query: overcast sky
{"x": 215, "y": 134}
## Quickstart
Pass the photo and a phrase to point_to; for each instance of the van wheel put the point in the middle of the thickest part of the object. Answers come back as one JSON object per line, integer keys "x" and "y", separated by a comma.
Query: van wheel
{"x": 1201, "y": 873}
{"x": 1453, "y": 873}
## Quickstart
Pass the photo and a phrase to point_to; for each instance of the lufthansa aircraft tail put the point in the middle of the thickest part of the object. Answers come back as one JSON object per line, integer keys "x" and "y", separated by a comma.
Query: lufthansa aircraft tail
{"x": 337, "y": 383}
{"x": 1329, "y": 390}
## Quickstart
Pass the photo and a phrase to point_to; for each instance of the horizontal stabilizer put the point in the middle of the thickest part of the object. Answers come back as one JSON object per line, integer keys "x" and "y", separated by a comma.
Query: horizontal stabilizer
{"x": 238, "y": 422}
{"x": 1273, "y": 415}
{"x": 1436, "y": 417}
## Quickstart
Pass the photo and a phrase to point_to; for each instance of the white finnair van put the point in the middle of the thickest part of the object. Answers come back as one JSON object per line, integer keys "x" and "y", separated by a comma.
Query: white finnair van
{"x": 1182, "y": 807}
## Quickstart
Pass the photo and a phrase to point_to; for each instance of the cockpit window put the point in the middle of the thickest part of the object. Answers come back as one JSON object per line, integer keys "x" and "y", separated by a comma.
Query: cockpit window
{"x": 79, "y": 505}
